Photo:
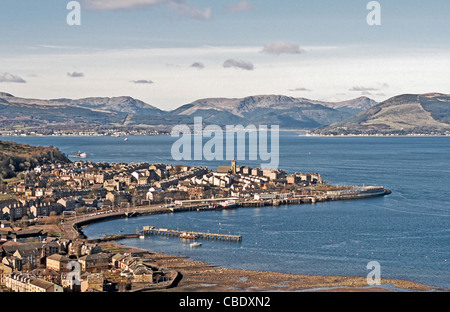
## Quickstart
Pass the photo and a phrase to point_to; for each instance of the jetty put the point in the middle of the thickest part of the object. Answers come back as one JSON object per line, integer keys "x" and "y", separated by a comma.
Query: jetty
{"x": 151, "y": 230}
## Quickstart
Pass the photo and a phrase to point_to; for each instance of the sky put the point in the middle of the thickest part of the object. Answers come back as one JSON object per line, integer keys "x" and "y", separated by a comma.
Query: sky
{"x": 168, "y": 53}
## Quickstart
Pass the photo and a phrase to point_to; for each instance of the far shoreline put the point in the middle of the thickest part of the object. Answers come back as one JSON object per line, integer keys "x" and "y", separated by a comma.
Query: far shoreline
{"x": 298, "y": 132}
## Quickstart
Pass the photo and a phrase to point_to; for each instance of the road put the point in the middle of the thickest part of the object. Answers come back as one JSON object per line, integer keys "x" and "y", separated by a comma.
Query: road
{"x": 72, "y": 234}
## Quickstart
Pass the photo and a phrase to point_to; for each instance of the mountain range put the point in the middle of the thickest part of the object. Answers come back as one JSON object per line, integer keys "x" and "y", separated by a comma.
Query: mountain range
{"x": 287, "y": 112}
{"x": 403, "y": 114}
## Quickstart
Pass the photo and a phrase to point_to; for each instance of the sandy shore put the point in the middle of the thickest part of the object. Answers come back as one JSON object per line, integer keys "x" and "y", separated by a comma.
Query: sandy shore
{"x": 202, "y": 277}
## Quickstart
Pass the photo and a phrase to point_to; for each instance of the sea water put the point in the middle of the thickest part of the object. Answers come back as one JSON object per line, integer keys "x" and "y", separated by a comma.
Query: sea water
{"x": 407, "y": 232}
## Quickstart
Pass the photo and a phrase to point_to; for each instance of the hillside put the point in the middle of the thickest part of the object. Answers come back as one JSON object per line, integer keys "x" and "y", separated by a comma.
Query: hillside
{"x": 403, "y": 114}
{"x": 15, "y": 158}
{"x": 287, "y": 112}
{"x": 354, "y": 106}
{"x": 15, "y": 111}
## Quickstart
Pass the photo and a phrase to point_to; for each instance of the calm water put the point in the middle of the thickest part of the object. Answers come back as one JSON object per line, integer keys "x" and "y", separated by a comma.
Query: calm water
{"x": 407, "y": 232}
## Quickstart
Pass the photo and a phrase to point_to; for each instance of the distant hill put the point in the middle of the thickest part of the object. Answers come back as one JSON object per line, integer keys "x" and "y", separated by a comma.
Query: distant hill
{"x": 403, "y": 114}
{"x": 16, "y": 111}
{"x": 287, "y": 112}
{"x": 15, "y": 157}
{"x": 354, "y": 106}
{"x": 122, "y": 104}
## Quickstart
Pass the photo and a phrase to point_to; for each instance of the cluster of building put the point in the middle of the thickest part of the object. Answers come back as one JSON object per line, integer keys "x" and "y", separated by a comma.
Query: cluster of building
{"x": 66, "y": 266}
{"x": 37, "y": 262}
{"x": 84, "y": 186}
{"x": 79, "y": 131}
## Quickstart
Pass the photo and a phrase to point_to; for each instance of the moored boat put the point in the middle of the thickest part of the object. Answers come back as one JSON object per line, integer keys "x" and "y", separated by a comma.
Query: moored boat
{"x": 229, "y": 204}
{"x": 186, "y": 235}
{"x": 81, "y": 155}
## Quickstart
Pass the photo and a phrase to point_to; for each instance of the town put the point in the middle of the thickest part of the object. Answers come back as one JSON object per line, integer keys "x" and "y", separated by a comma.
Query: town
{"x": 80, "y": 130}
{"x": 43, "y": 210}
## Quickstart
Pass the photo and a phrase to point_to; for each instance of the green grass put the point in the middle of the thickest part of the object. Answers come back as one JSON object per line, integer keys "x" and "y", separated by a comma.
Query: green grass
{"x": 5, "y": 197}
{"x": 56, "y": 234}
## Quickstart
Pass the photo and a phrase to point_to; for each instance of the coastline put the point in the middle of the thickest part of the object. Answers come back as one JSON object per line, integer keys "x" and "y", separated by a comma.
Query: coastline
{"x": 199, "y": 276}
{"x": 298, "y": 132}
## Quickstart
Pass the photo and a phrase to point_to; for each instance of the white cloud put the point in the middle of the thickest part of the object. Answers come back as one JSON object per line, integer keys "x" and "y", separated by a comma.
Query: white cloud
{"x": 300, "y": 89}
{"x": 179, "y": 6}
{"x": 282, "y": 47}
{"x": 119, "y": 4}
{"x": 327, "y": 72}
{"x": 382, "y": 85}
{"x": 7, "y": 77}
{"x": 239, "y": 7}
{"x": 363, "y": 89}
{"x": 191, "y": 12}
{"x": 230, "y": 63}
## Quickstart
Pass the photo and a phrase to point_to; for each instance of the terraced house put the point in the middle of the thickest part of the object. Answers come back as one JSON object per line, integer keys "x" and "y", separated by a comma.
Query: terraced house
{"x": 22, "y": 282}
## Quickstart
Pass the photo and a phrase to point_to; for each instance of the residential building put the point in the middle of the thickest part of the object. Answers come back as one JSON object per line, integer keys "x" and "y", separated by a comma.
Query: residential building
{"x": 48, "y": 275}
{"x": 22, "y": 282}
{"x": 92, "y": 282}
{"x": 95, "y": 262}
{"x": 5, "y": 270}
{"x": 58, "y": 263}
{"x": 141, "y": 273}
{"x": 29, "y": 255}
{"x": 69, "y": 203}
{"x": 14, "y": 211}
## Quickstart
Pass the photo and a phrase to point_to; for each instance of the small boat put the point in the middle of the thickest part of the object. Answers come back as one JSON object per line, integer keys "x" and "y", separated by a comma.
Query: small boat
{"x": 229, "y": 204}
{"x": 195, "y": 244}
{"x": 81, "y": 155}
{"x": 126, "y": 139}
{"x": 141, "y": 236}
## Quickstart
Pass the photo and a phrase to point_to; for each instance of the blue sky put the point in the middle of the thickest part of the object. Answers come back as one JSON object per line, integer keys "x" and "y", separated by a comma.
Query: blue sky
{"x": 171, "y": 52}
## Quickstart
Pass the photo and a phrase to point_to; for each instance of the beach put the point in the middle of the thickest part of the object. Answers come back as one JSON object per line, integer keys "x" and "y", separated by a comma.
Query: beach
{"x": 198, "y": 276}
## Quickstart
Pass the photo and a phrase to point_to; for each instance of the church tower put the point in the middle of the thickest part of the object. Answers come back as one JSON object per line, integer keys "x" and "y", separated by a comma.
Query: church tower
{"x": 233, "y": 166}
